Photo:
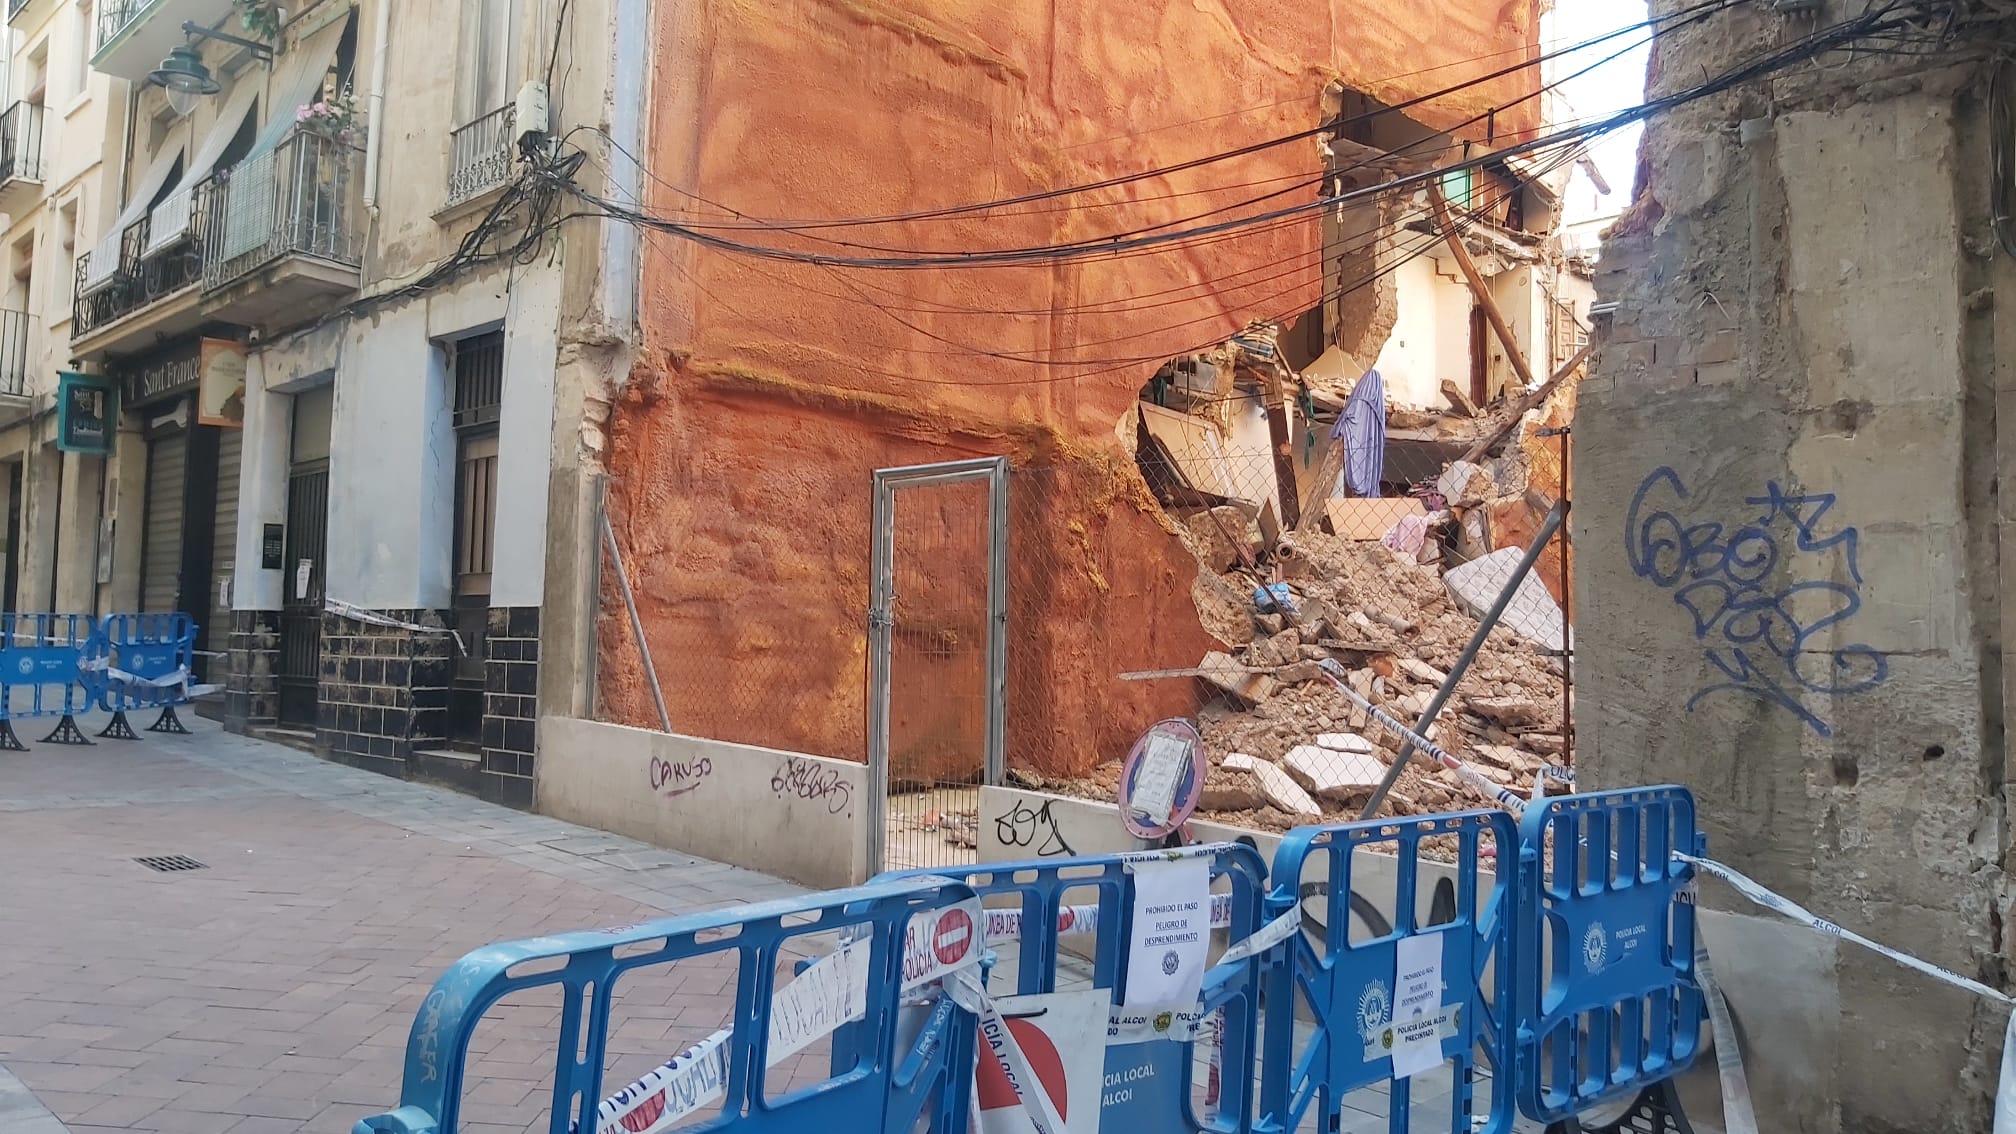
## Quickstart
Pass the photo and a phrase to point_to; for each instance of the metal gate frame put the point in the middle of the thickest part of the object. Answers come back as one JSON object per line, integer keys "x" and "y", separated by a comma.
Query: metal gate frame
{"x": 882, "y": 624}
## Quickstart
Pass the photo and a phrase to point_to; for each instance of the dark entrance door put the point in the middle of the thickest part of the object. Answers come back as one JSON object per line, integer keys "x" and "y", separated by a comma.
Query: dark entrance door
{"x": 301, "y": 611}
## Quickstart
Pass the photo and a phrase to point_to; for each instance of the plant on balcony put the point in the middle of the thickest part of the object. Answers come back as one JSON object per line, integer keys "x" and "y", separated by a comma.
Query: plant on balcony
{"x": 259, "y": 17}
{"x": 333, "y": 118}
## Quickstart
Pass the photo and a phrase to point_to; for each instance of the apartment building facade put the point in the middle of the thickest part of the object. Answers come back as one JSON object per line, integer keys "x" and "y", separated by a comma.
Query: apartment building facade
{"x": 52, "y": 196}
{"x": 336, "y": 396}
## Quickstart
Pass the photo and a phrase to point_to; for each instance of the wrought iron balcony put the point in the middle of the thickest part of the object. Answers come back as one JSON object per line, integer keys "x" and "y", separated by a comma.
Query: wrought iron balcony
{"x": 301, "y": 199}
{"x": 143, "y": 278}
{"x": 21, "y": 143}
{"x": 261, "y": 244}
{"x": 480, "y": 155}
{"x": 113, "y": 16}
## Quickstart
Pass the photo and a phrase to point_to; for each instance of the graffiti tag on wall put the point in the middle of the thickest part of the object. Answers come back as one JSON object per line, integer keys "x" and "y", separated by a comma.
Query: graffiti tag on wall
{"x": 1764, "y": 630}
{"x": 803, "y": 779}
{"x": 677, "y": 777}
{"x": 1027, "y": 826}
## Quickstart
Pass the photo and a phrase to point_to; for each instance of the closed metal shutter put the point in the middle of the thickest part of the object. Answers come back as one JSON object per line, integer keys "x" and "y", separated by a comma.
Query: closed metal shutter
{"x": 161, "y": 562}
{"x": 224, "y": 550}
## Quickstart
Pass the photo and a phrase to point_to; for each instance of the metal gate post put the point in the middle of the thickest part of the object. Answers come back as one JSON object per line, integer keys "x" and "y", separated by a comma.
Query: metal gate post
{"x": 997, "y": 624}
{"x": 882, "y": 623}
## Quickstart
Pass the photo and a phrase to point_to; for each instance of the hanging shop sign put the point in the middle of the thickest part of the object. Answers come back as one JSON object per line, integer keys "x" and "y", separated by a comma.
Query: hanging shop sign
{"x": 220, "y": 389}
{"x": 87, "y": 413}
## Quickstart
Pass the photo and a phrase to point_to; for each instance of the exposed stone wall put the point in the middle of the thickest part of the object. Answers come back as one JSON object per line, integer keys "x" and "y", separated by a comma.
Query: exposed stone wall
{"x": 251, "y": 683}
{"x": 1786, "y": 542}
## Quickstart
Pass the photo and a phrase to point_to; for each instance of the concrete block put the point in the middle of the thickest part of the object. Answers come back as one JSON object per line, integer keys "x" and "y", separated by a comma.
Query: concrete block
{"x": 1533, "y": 614}
{"x": 1280, "y": 789}
{"x": 1345, "y": 742}
{"x": 1333, "y": 775}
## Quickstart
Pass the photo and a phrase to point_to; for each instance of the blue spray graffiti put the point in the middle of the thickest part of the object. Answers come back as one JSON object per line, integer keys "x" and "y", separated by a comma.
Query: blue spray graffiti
{"x": 1722, "y": 577}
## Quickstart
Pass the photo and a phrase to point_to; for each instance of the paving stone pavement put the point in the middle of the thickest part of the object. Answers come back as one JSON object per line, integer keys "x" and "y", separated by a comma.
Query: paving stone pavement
{"x": 271, "y": 991}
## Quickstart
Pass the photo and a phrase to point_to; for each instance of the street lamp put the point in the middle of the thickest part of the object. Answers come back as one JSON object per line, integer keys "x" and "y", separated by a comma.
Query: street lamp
{"x": 183, "y": 74}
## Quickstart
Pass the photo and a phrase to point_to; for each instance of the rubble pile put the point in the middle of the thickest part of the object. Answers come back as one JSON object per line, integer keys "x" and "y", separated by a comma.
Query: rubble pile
{"x": 1394, "y": 627}
{"x": 1286, "y": 748}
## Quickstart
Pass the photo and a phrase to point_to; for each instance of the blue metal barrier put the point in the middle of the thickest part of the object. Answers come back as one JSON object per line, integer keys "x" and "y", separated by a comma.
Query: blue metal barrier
{"x": 46, "y": 670}
{"x": 1350, "y": 990}
{"x": 1607, "y": 1001}
{"x": 1560, "y": 982}
{"x": 1044, "y": 913}
{"x": 920, "y": 1085}
{"x": 148, "y": 665}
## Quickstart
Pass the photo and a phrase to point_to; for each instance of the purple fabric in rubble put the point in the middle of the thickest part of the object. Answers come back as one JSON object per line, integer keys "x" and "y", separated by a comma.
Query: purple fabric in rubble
{"x": 1362, "y": 425}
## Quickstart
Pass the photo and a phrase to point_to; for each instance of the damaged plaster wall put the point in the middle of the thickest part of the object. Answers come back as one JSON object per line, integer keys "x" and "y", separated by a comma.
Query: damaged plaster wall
{"x": 741, "y": 454}
{"x": 1786, "y": 555}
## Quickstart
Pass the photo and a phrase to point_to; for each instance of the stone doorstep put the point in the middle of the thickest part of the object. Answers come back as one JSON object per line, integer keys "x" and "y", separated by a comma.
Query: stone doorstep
{"x": 301, "y": 740}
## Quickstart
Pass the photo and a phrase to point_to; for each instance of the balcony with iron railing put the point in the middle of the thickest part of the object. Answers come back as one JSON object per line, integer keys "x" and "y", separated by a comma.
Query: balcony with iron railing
{"x": 132, "y": 36}
{"x": 480, "y": 155}
{"x": 20, "y": 156}
{"x": 284, "y": 230}
{"x": 265, "y": 241}
{"x": 144, "y": 281}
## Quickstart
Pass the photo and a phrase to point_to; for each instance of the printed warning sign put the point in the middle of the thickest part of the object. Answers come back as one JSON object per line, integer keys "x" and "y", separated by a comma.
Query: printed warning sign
{"x": 1063, "y": 1043}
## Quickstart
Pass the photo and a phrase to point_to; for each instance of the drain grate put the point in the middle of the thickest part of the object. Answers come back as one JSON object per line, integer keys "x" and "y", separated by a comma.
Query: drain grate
{"x": 170, "y": 863}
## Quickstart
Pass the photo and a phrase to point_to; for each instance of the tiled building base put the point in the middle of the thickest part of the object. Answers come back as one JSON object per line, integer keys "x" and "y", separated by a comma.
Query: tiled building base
{"x": 252, "y": 663}
{"x": 384, "y": 701}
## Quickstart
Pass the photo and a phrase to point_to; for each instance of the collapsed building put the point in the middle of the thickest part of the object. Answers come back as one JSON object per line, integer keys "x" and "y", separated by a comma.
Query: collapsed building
{"x": 741, "y": 453}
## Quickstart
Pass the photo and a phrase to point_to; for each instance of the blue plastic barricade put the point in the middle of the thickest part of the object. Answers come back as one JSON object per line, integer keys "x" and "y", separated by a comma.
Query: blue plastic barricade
{"x": 1377, "y": 1010}
{"x": 148, "y": 663}
{"x": 1151, "y": 1074}
{"x": 893, "y": 937}
{"x": 46, "y": 670}
{"x": 1607, "y": 1001}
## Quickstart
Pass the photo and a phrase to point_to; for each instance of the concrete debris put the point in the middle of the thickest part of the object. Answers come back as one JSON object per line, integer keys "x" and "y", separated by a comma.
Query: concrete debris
{"x": 1228, "y": 790}
{"x": 1334, "y": 775}
{"x": 1533, "y": 614}
{"x": 1213, "y": 533}
{"x": 1280, "y": 789}
{"x": 1465, "y": 485}
{"x": 1392, "y": 624}
{"x": 1299, "y": 672}
{"x": 1422, "y": 671}
{"x": 1510, "y": 712}
{"x": 1284, "y": 648}
{"x": 1222, "y": 671}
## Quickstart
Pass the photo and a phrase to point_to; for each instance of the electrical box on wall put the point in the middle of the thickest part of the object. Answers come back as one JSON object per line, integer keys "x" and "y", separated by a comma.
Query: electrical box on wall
{"x": 532, "y": 111}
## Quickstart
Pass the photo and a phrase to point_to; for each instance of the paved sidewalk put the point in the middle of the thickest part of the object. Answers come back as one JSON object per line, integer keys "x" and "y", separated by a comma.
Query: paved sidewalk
{"x": 271, "y": 991}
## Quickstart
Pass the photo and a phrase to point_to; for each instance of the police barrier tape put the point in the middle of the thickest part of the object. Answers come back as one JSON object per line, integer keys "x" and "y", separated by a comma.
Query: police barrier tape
{"x": 1530, "y": 973}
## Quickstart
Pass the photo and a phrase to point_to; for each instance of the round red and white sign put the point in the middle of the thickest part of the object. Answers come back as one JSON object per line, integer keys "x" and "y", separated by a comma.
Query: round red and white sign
{"x": 954, "y": 936}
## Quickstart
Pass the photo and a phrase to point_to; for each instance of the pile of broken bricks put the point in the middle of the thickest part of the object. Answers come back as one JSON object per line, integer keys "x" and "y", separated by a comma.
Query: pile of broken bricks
{"x": 1285, "y": 748}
